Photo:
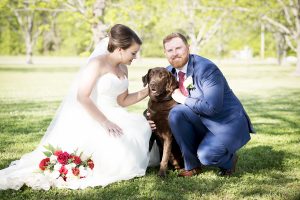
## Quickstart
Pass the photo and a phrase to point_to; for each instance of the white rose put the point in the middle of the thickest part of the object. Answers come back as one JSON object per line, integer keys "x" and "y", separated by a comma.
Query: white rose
{"x": 83, "y": 171}
{"x": 73, "y": 165}
{"x": 57, "y": 166}
{"x": 53, "y": 158}
{"x": 70, "y": 174}
{"x": 47, "y": 172}
{"x": 55, "y": 174}
{"x": 68, "y": 167}
{"x": 72, "y": 177}
{"x": 84, "y": 157}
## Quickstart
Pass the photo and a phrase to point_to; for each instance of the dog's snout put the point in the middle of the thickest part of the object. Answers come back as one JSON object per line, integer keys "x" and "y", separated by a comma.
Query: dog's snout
{"x": 152, "y": 85}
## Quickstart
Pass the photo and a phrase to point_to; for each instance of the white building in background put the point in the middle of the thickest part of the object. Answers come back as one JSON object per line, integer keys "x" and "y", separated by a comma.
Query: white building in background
{"x": 243, "y": 54}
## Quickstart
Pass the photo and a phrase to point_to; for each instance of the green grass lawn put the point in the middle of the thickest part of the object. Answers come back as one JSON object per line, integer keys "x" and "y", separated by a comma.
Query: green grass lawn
{"x": 268, "y": 167}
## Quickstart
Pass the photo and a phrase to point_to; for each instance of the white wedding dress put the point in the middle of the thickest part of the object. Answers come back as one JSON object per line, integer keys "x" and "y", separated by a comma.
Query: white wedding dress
{"x": 115, "y": 158}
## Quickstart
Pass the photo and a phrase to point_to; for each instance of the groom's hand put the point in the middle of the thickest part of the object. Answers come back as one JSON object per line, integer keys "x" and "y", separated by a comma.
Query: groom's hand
{"x": 151, "y": 123}
{"x": 178, "y": 96}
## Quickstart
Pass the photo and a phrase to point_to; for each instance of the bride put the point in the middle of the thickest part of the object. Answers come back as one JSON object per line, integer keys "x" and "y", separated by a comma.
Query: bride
{"x": 92, "y": 120}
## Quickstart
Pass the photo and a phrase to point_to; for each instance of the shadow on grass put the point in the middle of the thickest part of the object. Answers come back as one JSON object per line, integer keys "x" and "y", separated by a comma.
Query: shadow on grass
{"x": 260, "y": 174}
{"x": 266, "y": 170}
{"x": 25, "y": 125}
{"x": 261, "y": 158}
{"x": 276, "y": 114}
{"x": 26, "y": 117}
{"x": 259, "y": 168}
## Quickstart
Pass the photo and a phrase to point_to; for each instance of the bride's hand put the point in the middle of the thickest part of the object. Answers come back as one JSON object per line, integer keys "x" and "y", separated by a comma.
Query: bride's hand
{"x": 112, "y": 128}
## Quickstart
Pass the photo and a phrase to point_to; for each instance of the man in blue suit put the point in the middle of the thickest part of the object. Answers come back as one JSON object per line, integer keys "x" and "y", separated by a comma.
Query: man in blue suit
{"x": 210, "y": 123}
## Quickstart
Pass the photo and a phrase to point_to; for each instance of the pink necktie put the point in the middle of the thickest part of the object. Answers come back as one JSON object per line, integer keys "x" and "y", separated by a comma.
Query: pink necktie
{"x": 181, "y": 80}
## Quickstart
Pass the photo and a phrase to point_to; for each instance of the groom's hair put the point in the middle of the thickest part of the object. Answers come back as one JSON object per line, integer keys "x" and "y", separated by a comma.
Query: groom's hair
{"x": 121, "y": 36}
{"x": 174, "y": 35}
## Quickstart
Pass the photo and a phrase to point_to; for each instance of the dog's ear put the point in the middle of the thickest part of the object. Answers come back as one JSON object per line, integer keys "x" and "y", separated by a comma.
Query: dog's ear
{"x": 172, "y": 83}
{"x": 146, "y": 78}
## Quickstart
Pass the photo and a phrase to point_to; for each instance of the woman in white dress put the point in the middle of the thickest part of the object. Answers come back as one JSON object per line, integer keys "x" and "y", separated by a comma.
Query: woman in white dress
{"x": 92, "y": 119}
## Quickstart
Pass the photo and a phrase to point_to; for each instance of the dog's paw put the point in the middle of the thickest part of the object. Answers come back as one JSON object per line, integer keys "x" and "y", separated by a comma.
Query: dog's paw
{"x": 162, "y": 173}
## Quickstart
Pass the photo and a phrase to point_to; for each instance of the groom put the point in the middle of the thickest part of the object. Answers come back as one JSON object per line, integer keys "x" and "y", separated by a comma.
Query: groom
{"x": 210, "y": 123}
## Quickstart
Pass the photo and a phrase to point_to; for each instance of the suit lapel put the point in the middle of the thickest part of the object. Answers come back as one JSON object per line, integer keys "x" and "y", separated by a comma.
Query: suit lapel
{"x": 173, "y": 71}
{"x": 190, "y": 67}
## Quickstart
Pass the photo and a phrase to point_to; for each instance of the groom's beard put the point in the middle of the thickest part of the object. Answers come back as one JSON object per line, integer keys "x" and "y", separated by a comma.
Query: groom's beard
{"x": 179, "y": 61}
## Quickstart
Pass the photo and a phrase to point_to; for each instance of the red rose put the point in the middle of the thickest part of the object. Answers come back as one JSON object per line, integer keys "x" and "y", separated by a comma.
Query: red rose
{"x": 63, "y": 158}
{"x": 76, "y": 160}
{"x": 90, "y": 163}
{"x": 44, "y": 163}
{"x": 76, "y": 171}
{"x": 58, "y": 152}
{"x": 63, "y": 170}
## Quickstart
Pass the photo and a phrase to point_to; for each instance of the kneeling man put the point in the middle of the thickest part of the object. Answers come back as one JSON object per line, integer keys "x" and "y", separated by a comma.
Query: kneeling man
{"x": 210, "y": 123}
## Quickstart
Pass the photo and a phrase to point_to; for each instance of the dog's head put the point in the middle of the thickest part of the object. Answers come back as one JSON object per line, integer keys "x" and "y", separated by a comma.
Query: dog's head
{"x": 161, "y": 83}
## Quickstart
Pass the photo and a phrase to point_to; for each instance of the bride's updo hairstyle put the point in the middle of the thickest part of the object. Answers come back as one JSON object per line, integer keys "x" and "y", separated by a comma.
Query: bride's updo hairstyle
{"x": 121, "y": 36}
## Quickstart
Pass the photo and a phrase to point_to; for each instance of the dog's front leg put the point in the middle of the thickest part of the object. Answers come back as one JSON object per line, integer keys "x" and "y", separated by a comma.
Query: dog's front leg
{"x": 167, "y": 140}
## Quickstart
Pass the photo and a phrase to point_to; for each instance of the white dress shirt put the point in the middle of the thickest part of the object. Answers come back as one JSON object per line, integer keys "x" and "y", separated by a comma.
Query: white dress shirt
{"x": 183, "y": 69}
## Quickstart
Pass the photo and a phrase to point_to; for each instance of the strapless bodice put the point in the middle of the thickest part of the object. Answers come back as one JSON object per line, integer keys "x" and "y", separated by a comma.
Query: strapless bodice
{"x": 108, "y": 87}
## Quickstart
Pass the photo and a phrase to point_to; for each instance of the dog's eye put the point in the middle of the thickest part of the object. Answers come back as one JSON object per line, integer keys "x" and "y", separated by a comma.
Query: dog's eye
{"x": 162, "y": 75}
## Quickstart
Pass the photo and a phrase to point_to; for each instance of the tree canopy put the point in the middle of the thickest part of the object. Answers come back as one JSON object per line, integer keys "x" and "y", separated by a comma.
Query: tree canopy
{"x": 214, "y": 28}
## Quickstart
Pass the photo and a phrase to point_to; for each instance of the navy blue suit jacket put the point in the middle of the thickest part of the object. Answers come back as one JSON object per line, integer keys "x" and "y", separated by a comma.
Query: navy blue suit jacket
{"x": 215, "y": 103}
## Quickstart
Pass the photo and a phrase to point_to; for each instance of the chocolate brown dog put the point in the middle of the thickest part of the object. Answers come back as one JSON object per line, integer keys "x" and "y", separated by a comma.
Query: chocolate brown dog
{"x": 161, "y": 84}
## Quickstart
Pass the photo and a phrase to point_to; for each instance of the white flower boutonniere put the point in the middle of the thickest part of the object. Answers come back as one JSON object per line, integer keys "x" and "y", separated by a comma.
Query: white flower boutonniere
{"x": 188, "y": 83}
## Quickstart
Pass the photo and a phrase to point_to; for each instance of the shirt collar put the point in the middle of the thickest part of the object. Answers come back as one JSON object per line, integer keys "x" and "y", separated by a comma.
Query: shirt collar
{"x": 183, "y": 69}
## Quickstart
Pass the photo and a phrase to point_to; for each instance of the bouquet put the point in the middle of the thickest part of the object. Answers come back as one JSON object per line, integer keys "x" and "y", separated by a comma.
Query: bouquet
{"x": 61, "y": 164}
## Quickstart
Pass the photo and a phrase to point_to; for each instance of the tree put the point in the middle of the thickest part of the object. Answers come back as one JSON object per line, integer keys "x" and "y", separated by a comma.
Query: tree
{"x": 32, "y": 17}
{"x": 287, "y": 26}
{"x": 27, "y": 20}
{"x": 9, "y": 32}
{"x": 92, "y": 11}
{"x": 211, "y": 22}
{"x": 144, "y": 17}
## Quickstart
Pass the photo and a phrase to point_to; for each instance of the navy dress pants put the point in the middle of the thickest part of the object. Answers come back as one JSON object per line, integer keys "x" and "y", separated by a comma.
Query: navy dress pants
{"x": 197, "y": 144}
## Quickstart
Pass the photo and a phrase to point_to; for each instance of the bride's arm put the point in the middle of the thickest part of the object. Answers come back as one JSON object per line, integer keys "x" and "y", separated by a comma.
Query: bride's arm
{"x": 86, "y": 85}
{"x": 125, "y": 99}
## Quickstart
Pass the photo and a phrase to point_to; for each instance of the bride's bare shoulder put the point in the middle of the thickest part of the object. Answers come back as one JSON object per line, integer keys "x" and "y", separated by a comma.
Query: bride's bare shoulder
{"x": 97, "y": 64}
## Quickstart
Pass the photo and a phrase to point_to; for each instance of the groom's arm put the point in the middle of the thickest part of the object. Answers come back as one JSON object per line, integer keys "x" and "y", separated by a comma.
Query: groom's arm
{"x": 211, "y": 102}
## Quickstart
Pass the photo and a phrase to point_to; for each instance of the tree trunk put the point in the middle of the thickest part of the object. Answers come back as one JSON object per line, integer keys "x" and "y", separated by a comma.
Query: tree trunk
{"x": 298, "y": 37}
{"x": 28, "y": 27}
{"x": 298, "y": 57}
{"x": 262, "y": 41}
{"x": 98, "y": 28}
{"x": 28, "y": 51}
{"x": 194, "y": 47}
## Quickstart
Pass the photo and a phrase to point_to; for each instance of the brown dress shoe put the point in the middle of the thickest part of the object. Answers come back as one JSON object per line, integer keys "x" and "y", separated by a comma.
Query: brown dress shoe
{"x": 189, "y": 173}
{"x": 229, "y": 172}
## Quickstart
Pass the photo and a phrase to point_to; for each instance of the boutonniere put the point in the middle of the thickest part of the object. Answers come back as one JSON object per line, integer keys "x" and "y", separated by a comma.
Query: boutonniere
{"x": 188, "y": 83}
